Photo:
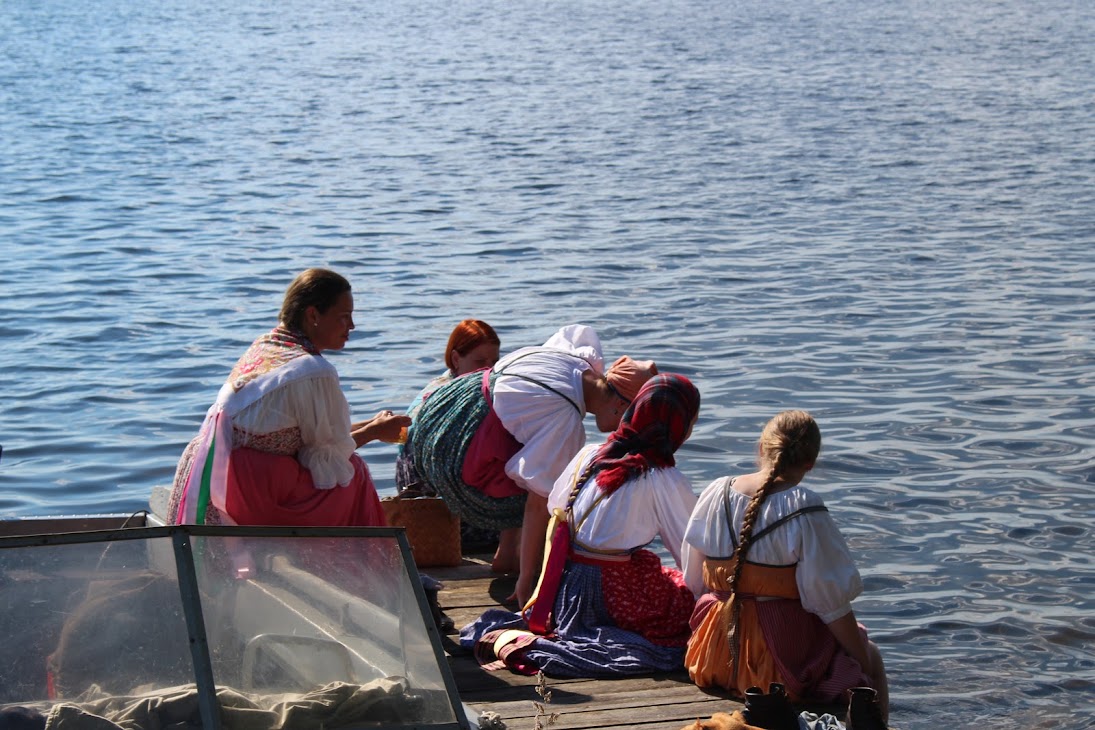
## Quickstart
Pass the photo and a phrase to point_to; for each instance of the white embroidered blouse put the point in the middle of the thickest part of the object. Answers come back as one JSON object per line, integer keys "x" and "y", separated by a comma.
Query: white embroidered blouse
{"x": 827, "y": 576}
{"x": 317, "y": 407}
{"x": 656, "y": 504}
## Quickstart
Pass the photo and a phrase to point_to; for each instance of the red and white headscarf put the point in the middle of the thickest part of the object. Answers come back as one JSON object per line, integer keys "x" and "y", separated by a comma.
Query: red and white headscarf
{"x": 650, "y": 432}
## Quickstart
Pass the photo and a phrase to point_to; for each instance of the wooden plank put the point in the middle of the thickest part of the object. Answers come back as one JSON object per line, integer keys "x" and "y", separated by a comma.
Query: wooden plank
{"x": 652, "y": 715}
{"x": 655, "y": 702}
{"x": 562, "y": 701}
{"x": 483, "y": 597}
{"x": 475, "y": 681}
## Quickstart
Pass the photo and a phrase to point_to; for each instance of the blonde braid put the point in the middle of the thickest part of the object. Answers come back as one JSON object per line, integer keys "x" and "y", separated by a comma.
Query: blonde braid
{"x": 790, "y": 440}
{"x": 587, "y": 473}
{"x": 583, "y": 477}
{"x": 745, "y": 539}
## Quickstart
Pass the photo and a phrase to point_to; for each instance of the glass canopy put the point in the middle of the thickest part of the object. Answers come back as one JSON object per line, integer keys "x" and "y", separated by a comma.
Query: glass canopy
{"x": 222, "y": 627}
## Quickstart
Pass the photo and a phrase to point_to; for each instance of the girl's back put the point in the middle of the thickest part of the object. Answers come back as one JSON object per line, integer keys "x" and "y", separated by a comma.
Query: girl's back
{"x": 793, "y": 527}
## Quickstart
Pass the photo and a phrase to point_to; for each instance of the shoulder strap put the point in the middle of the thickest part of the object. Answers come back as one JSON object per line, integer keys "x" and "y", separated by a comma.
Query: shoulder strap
{"x": 769, "y": 528}
{"x": 788, "y": 518}
{"x": 499, "y": 373}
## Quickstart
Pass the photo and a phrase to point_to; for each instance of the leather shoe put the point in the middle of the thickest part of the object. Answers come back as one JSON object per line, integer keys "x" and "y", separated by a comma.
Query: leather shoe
{"x": 772, "y": 711}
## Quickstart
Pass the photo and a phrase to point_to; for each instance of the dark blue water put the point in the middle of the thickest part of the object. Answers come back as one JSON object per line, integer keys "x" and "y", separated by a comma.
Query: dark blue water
{"x": 883, "y": 213}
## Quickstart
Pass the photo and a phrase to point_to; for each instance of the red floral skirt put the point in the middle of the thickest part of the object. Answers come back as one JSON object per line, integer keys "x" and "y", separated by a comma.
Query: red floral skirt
{"x": 646, "y": 597}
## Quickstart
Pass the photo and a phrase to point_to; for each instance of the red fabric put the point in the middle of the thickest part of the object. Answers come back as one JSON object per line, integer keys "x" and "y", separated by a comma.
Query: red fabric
{"x": 539, "y": 616}
{"x": 810, "y": 660}
{"x": 703, "y": 606}
{"x": 275, "y": 490}
{"x": 490, "y": 448}
{"x": 512, "y": 655}
{"x": 644, "y": 596}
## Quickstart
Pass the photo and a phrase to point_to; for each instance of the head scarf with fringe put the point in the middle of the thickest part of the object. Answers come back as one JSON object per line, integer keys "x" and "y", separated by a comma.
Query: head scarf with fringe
{"x": 650, "y": 432}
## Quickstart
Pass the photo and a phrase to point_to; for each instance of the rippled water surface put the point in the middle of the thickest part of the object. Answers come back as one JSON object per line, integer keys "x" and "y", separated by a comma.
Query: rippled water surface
{"x": 883, "y": 213}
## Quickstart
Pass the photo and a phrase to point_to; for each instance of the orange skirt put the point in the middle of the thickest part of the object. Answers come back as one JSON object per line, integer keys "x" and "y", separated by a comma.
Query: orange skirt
{"x": 778, "y": 640}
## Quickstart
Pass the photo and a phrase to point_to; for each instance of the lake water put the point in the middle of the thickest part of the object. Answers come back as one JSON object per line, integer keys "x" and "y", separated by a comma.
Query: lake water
{"x": 880, "y": 212}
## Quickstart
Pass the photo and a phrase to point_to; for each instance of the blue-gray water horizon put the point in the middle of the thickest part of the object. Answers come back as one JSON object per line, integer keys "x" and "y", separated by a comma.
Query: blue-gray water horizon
{"x": 882, "y": 213}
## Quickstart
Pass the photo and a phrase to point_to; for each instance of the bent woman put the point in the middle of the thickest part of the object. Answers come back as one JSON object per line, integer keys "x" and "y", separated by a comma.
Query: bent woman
{"x": 492, "y": 444}
{"x": 605, "y": 606}
{"x": 277, "y": 446}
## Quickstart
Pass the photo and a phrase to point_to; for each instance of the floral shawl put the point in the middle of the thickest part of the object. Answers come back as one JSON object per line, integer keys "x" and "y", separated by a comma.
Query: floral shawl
{"x": 273, "y": 360}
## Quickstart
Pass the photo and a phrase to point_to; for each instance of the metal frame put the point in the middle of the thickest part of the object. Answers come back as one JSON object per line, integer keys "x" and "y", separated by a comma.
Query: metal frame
{"x": 195, "y": 628}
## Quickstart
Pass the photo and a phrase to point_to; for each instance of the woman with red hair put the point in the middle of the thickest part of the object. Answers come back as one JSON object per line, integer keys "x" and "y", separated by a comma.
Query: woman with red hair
{"x": 473, "y": 345}
{"x": 493, "y": 443}
{"x": 605, "y": 606}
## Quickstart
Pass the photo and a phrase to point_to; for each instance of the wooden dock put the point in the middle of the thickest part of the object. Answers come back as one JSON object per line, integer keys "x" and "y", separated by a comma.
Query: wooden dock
{"x": 654, "y": 702}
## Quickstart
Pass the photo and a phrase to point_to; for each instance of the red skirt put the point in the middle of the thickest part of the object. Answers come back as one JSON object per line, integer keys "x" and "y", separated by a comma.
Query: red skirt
{"x": 275, "y": 490}
{"x": 646, "y": 597}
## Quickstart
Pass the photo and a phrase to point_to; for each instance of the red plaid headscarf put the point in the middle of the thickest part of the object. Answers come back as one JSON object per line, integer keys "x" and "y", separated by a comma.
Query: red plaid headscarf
{"x": 651, "y": 430}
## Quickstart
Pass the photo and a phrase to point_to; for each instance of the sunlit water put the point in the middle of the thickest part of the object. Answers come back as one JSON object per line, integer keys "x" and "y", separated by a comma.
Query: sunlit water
{"x": 883, "y": 213}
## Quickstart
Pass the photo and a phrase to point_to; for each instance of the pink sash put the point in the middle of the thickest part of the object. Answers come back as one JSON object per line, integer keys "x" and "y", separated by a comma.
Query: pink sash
{"x": 538, "y": 609}
{"x": 488, "y": 451}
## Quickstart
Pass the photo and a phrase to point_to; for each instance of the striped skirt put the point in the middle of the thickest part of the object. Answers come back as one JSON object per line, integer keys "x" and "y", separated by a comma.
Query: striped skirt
{"x": 442, "y": 432}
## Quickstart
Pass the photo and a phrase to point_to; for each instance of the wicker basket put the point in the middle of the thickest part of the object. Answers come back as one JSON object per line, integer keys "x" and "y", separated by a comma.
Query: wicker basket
{"x": 432, "y": 530}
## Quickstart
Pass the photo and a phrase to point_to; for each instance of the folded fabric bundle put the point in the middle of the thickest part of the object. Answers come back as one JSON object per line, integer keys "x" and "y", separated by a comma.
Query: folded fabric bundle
{"x": 504, "y": 648}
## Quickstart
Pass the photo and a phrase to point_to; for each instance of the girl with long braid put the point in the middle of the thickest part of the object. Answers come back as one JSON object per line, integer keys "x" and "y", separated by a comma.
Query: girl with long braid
{"x": 776, "y": 580}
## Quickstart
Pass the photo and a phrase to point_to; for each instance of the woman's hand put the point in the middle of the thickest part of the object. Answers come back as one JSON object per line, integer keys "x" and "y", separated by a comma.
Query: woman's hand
{"x": 390, "y": 426}
{"x": 384, "y": 426}
{"x": 522, "y": 592}
{"x": 533, "y": 531}
{"x": 846, "y": 630}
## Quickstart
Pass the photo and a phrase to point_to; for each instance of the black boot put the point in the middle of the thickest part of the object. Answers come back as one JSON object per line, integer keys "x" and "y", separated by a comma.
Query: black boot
{"x": 864, "y": 712}
{"x": 431, "y": 588}
{"x": 772, "y": 711}
{"x": 754, "y": 706}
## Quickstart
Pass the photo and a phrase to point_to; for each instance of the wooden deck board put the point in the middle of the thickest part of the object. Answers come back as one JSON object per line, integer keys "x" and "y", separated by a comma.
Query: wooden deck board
{"x": 657, "y": 702}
